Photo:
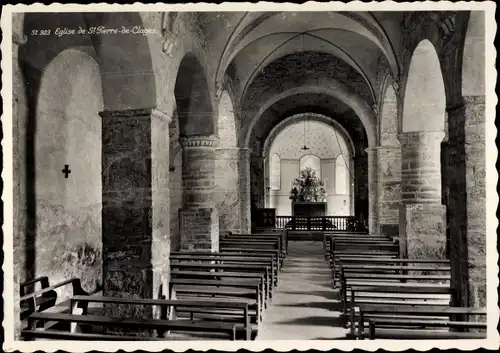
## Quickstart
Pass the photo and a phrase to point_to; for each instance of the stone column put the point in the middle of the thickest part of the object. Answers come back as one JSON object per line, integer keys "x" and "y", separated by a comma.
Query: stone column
{"x": 467, "y": 201}
{"x": 373, "y": 197}
{"x": 227, "y": 180}
{"x": 134, "y": 262}
{"x": 199, "y": 218}
{"x": 245, "y": 190}
{"x": 361, "y": 186}
{"x": 389, "y": 181}
{"x": 257, "y": 179}
{"x": 422, "y": 216}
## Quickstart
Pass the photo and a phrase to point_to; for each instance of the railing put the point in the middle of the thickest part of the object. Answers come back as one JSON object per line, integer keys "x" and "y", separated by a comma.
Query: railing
{"x": 325, "y": 223}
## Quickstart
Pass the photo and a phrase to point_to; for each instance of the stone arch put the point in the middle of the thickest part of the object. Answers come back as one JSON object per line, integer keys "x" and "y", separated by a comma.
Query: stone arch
{"x": 226, "y": 125}
{"x": 388, "y": 115}
{"x": 121, "y": 73}
{"x": 193, "y": 100}
{"x": 336, "y": 89}
{"x": 311, "y": 117}
{"x": 424, "y": 98}
{"x": 68, "y": 131}
{"x": 389, "y": 162}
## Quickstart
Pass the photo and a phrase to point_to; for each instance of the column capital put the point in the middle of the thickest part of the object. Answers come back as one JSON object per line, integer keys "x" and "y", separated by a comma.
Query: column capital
{"x": 209, "y": 141}
{"x": 421, "y": 137}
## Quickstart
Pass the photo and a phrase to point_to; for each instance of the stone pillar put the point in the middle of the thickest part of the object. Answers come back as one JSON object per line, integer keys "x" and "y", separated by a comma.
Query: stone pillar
{"x": 199, "y": 218}
{"x": 23, "y": 235}
{"x": 245, "y": 190}
{"x": 422, "y": 216}
{"x": 257, "y": 179}
{"x": 373, "y": 197}
{"x": 134, "y": 262}
{"x": 389, "y": 181}
{"x": 227, "y": 180}
{"x": 361, "y": 186}
{"x": 467, "y": 201}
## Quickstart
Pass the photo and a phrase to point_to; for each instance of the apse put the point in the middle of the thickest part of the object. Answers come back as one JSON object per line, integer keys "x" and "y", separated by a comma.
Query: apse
{"x": 319, "y": 148}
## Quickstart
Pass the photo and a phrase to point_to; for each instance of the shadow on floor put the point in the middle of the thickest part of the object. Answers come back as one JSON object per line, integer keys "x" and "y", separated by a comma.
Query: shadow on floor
{"x": 335, "y": 306}
{"x": 314, "y": 321}
{"x": 320, "y": 293}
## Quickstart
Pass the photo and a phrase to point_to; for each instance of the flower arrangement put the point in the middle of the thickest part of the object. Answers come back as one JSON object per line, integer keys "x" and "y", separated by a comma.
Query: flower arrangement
{"x": 308, "y": 187}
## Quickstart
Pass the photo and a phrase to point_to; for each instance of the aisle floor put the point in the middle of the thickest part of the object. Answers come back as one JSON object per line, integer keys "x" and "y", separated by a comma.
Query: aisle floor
{"x": 305, "y": 305}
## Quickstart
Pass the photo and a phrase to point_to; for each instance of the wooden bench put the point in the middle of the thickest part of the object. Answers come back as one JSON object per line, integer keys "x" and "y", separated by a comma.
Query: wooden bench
{"x": 391, "y": 294}
{"x": 414, "y": 322}
{"x": 281, "y": 237}
{"x": 46, "y": 297}
{"x": 220, "y": 275}
{"x": 162, "y": 325}
{"x": 258, "y": 238}
{"x": 381, "y": 262}
{"x": 250, "y": 250}
{"x": 241, "y": 288}
{"x": 236, "y": 264}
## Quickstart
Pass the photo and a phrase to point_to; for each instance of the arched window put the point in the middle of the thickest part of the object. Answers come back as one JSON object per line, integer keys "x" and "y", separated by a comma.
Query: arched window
{"x": 311, "y": 161}
{"x": 341, "y": 176}
{"x": 275, "y": 171}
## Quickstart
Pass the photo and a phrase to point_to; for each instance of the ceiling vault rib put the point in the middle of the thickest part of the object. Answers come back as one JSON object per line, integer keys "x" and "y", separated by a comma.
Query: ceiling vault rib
{"x": 354, "y": 61}
{"x": 249, "y": 81}
{"x": 226, "y": 46}
{"x": 393, "y": 52}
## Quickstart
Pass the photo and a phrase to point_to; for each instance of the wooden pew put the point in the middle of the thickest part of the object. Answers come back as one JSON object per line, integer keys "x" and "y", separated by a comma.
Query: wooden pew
{"x": 46, "y": 297}
{"x": 247, "y": 289}
{"x": 373, "y": 250}
{"x": 392, "y": 294}
{"x": 382, "y": 261}
{"x": 281, "y": 236}
{"x": 167, "y": 308}
{"x": 241, "y": 249}
{"x": 224, "y": 275}
{"x": 234, "y": 260}
{"x": 414, "y": 322}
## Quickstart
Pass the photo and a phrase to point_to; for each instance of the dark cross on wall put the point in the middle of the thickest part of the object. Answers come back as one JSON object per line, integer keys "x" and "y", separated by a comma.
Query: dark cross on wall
{"x": 66, "y": 171}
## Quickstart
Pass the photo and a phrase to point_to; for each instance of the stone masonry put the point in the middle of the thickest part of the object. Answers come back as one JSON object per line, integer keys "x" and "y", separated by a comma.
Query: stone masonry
{"x": 422, "y": 216}
{"x": 467, "y": 194}
{"x": 199, "y": 218}
{"x": 131, "y": 266}
{"x": 373, "y": 194}
{"x": 389, "y": 188}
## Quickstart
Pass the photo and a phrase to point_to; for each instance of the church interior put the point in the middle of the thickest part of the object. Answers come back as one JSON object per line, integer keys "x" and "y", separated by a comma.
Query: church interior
{"x": 249, "y": 175}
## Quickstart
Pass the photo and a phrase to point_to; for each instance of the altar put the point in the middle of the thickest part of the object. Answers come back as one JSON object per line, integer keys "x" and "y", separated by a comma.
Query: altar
{"x": 309, "y": 209}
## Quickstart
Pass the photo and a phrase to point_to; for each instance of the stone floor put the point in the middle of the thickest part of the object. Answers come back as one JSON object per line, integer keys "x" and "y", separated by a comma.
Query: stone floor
{"x": 304, "y": 306}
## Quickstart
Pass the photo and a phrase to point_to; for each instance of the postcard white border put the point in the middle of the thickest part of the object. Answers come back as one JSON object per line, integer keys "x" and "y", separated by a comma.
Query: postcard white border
{"x": 491, "y": 180}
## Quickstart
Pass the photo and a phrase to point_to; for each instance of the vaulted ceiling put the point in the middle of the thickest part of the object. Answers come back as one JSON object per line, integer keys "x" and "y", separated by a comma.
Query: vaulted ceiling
{"x": 264, "y": 54}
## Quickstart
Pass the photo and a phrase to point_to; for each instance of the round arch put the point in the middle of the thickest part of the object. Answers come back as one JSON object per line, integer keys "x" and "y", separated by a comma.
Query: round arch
{"x": 226, "y": 126}
{"x": 119, "y": 87}
{"x": 311, "y": 117}
{"x": 337, "y": 90}
{"x": 388, "y": 116}
{"x": 424, "y": 97}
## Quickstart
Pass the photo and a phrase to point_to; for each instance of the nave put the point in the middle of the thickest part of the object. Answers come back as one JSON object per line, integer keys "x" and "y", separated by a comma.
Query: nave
{"x": 175, "y": 185}
{"x": 350, "y": 286}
